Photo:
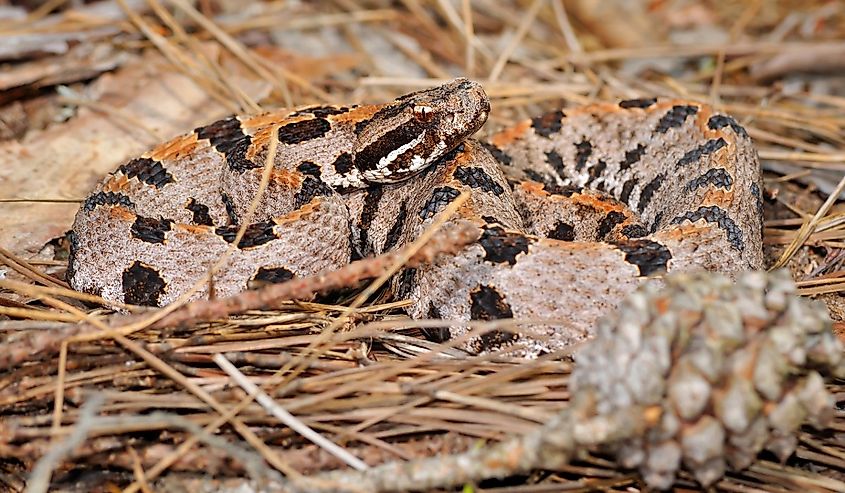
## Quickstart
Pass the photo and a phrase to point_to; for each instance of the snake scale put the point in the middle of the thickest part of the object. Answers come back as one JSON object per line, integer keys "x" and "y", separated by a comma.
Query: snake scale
{"x": 575, "y": 207}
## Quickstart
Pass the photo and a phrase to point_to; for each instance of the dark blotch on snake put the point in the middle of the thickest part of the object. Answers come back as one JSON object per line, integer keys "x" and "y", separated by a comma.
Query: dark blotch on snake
{"x": 228, "y": 138}
{"x": 556, "y": 162}
{"x": 649, "y": 256}
{"x": 475, "y": 177}
{"x": 715, "y": 215}
{"x": 583, "y": 151}
{"x": 395, "y": 231}
{"x": 758, "y": 197}
{"x": 634, "y": 231}
{"x": 548, "y": 124}
{"x": 718, "y": 177}
{"x": 256, "y": 234}
{"x": 200, "y": 213}
{"x": 488, "y": 304}
{"x": 230, "y": 207}
{"x": 655, "y": 223}
{"x": 717, "y": 122}
{"x": 311, "y": 187}
{"x": 637, "y": 103}
{"x": 627, "y": 188}
{"x": 294, "y": 133}
{"x": 497, "y": 153}
{"x": 595, "y": 172}
{"x": 368, "y": 214}
{"x": 73, "y": 248}
{"x": 632, "y": 156}
{"x": 142, "y": 285}
{"x": 435, "y": 334}
{"x": 495, "y": 340}
{"x": 563, "y": 190}
{"x": 150, "y": 229}
{"x": 222, "y": 133}
{"x": 309, "y": 168}
{"x": 562, "y": 231}
{"x": 440, "y": 198}
{"x": 148, "y": 171}
{"x": 608, "y": 222}
{"x": 501, "y": 246}
{"x": 675, "y": 117}
{"x": 403, "y": 283}
{"x": 704, "y": 149}
{"x": 273, "y": 275}
{"x": 543, "y": 178}
{"x": 106, "y": 198}
{"x": 321, "y": 111}
{"x": 648, "y": 191}
{"x": 343, "y": 164}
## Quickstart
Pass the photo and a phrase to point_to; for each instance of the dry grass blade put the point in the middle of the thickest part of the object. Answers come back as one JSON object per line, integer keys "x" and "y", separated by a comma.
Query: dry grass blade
{"x": 218, "y": 76}
{"x": 181, "y": 61}
{"x": 285, "y": 417}
{"x": 22, "y": 267}
{"x": 809, "y": 227}
{"x": 65, "y": 292}
{"x": 39, "y": 482}
{"x": 524, "y": 25}
{"x": 244, "y": 55}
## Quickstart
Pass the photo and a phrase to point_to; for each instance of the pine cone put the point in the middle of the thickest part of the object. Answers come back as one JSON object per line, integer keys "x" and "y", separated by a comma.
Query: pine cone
{"x": 732, "y": 367}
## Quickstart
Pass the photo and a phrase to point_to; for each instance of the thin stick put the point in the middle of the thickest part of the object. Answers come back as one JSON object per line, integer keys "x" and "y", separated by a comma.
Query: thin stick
{"x": 469, "y": 34}
{"x": 237, "y": 49}
{"x": 59, "y": 396}
{"x": 809, "y": 227}
{"x": 526, "y": 22}
{"x": 246, "y": 102}
{"x": 285, "y": 417}
{"x": 37, "y": 291}
{"x": 39, "y": 480}
{"x": 177, "y": 59}
{"x": 138, "y": 470}
{"x": 816, "y": 157}
{"x": 22, "y": 267}
{"x": 33, "y": 314}
{"x": 566, "y": 27}
{"x": 547, "y": 447}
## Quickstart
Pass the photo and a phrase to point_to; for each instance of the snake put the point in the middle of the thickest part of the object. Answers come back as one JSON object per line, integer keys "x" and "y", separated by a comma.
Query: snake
{"x": 574, "y": 208}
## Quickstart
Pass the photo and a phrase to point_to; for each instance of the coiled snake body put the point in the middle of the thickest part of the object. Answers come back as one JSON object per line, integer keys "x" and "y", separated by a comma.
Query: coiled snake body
{"x": 576, "y": 207}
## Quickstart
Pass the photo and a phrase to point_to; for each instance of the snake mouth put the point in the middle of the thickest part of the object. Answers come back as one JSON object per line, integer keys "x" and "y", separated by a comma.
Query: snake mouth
{"x": 476, "y": 98}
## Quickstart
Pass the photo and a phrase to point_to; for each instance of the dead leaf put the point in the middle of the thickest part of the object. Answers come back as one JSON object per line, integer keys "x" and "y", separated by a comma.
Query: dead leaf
{"x": 67, "y": 160}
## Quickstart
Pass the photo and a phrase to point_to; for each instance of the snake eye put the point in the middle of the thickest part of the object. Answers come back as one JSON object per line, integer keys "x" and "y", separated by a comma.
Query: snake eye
{"x": 423, "y": 113}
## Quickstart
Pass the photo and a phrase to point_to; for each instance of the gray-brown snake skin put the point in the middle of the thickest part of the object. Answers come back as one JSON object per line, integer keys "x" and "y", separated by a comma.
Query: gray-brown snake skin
{"x": 577, "y": 207}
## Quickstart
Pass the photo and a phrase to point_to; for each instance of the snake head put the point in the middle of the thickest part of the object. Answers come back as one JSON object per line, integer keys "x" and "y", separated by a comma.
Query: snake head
{"x": 406, "y": 136}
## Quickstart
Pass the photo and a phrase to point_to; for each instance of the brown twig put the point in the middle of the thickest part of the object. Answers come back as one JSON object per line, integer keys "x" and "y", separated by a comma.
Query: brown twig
{"x": 548, "y": 447}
